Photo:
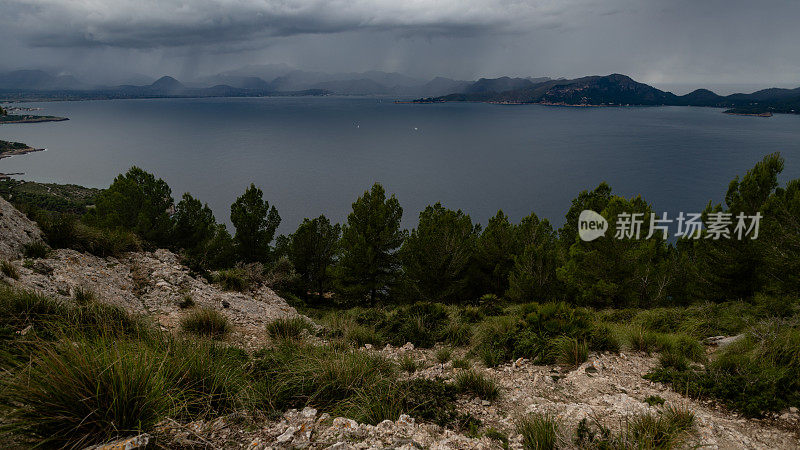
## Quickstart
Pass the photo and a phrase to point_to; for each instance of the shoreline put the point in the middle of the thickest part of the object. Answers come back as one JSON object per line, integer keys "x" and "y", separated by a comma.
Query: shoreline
{"x": 33, "y": 119}
{"x": 21, "y": 151}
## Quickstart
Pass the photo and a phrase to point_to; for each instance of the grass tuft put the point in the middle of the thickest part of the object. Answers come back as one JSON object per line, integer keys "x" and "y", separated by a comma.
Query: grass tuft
{"x": 539, "y": 431}
{"x": 288, "y": 328}
{"x": 474, "y": 383}
{"x": 83, "y": 295}
{"x": 444, "y": 354}
{"x": 570, "y": 352}
{"x": 9, "y": 270}
{"x": 35, "y": 250}
{"x": 206, "y": 322}
{"x": 408, "y": 364}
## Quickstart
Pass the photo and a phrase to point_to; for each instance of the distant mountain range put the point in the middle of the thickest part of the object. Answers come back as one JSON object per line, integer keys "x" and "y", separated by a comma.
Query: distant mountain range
{"x": 619, "y": 90}
{"x": 247, "y": 81}
{"x": 280, "y": 79}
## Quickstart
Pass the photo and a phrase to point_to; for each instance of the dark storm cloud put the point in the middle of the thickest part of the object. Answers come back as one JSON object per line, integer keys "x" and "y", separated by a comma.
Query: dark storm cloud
{"x": 656, "y": 41}
{"x": 176, "y": 23}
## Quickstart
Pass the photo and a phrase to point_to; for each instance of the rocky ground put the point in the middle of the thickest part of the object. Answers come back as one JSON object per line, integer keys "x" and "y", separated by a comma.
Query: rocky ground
{"x": 608, "y": 388}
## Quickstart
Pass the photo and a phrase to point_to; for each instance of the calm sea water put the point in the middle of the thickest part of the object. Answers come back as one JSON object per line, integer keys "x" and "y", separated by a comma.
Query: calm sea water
{"x": 316, "y": 155}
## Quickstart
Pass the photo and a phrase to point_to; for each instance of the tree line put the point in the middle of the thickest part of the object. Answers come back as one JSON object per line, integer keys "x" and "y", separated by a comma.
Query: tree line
{"x": 449, "y": 258}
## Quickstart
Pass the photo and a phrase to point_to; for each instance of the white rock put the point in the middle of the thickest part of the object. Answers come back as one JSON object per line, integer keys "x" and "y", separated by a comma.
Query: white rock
{"x": 345, "y": 423}
{"x": 287, "y": 435}
{"x": 406, "y": 420}
{"x": 308, "y": 412}
{"x": 407, "y": 346}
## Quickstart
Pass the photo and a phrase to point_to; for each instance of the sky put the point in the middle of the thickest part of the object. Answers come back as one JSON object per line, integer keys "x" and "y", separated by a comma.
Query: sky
{"x": 661, "y": 42}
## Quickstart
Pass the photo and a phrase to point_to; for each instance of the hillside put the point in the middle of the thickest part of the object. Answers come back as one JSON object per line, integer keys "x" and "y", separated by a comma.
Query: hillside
{"x": 606, "y": 392}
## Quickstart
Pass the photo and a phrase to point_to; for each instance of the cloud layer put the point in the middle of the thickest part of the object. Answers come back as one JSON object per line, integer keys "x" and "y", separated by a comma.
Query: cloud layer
{"x": 689, "y": 41}
{"x": 174, "y": 23}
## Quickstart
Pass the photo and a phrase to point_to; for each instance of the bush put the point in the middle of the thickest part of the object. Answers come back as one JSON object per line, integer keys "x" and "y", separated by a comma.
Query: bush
{"x": 495, "y": 340}
{"x": 35, "y": 249}
{"x": 9, "y": 270}
{"x": 294, "y": 375}
{"x": 422, "y": 324}
{"x": 210, "y": 377}
{"x": 206, "y": 322}
{"x": 288, "y": 328}
{"x": 471, "y": 382}
{"x": 757, "y": 374}
{"x": 66, "y": 231}
{"x": 539, "y": 431}
{"x": 233, "y": 280}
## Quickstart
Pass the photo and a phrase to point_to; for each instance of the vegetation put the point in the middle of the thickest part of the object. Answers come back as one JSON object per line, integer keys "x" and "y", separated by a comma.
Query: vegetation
{"x": 507, "y": 291}
{"x": 9, "y": 270}
{"x": 539, "y": 431}
{"x": 255, "y": 224}
{"x": 369, "y": 264}
{"x": 471, "y": 382}
{"x": 288, "y": 328}
{"x": 206, "y": 322}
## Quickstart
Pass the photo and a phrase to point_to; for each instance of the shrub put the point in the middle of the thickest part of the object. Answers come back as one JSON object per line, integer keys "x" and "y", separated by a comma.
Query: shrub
{"x": 422, "y": 324}
{"x": 288, "y": 328}
{"x": 294, "y": 375}
{"x": 654, "y": 400}
{"x": 539, "y": 431}
{"x": 602, "y": 338}
{"x": 35, "y": 249}
{"x": 569, "y": 352}
{"x": 457, "y": 333}
{"x": 471, "y": 314}
{"x": 232, "y": 280}
{"x": 206, "y": 322}
{"x": 444, "y": 354}
{"x": 495, "y": 340}
{"x": 471, "y": 382}
{"x": 755, "y": 375}
{"x": 66, "y": 231}
{"x": 408, "y": 364}
{"x": 9, "y": 270}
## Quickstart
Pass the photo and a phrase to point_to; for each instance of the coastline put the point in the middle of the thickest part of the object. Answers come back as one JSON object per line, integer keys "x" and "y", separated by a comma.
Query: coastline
{"x": 31, "y": 119}
{"x": 21, "y": 151}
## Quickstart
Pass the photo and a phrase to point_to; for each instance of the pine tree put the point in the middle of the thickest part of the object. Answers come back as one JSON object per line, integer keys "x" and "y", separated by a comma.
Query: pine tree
{"x": 255, "y": 224}
{"x": 369, "y": 264}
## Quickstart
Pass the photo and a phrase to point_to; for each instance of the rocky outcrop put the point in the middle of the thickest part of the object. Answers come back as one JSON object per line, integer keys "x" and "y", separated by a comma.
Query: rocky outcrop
{"x": 16, "y": 230}
{"x": 153, "y": 284}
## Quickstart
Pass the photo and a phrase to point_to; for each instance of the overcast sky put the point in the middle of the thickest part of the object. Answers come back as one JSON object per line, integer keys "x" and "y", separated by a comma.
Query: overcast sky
{"x": 655, "y": 41}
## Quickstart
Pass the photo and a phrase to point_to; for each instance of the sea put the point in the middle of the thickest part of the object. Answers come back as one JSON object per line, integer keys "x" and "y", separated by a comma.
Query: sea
{"x": 316, "y": 155}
